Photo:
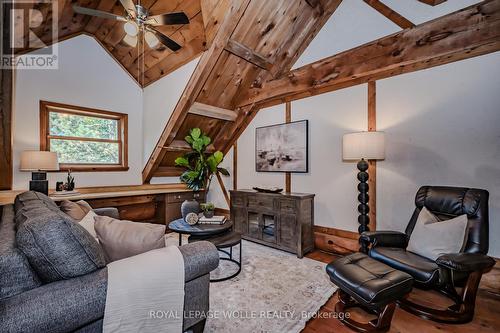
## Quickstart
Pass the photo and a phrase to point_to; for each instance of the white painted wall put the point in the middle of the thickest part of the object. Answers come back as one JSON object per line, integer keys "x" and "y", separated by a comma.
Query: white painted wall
{"x": 87, "y": 76}
{"x": 443, "y": 127}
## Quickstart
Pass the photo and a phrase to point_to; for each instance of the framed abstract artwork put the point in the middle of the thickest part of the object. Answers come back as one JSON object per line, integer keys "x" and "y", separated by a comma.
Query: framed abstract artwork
{"x": 282, "y": 148}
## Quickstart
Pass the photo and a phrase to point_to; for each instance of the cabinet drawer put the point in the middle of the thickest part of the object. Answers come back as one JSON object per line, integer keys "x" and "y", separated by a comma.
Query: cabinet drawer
{"x": 180, "y": 197}
{"x": 260, "y": 202}
{"x": 288, "y": 206}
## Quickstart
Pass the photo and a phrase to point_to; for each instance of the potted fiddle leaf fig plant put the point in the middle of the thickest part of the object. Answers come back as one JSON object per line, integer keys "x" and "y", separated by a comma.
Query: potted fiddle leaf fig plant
{"x": 200, "y": 166}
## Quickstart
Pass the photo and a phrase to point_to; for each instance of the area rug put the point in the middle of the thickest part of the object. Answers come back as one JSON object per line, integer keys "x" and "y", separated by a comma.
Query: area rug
{"x": 275, "y": 292}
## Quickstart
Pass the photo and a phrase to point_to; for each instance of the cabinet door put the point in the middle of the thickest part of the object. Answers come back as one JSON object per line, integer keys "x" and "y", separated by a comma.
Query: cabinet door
{"x": 288, "y": 231}
{"x": 238, "y": 216}
{"x": 254, "y": 224}
{"x": 172, "y": 212}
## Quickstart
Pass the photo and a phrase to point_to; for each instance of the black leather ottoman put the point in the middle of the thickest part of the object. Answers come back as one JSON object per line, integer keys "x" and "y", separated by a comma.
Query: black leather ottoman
{"x": 368, "y": 283}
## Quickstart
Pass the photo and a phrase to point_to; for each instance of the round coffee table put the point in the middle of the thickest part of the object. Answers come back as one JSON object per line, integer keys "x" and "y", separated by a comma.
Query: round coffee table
{"x": 199, "y": 230}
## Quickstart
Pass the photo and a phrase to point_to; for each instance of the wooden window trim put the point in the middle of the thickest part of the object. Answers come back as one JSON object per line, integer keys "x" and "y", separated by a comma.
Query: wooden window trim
{"x": 122, "y": 140}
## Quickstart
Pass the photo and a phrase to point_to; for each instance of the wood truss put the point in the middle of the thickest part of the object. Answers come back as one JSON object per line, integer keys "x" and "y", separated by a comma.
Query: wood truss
{"x": 247, "y": 66}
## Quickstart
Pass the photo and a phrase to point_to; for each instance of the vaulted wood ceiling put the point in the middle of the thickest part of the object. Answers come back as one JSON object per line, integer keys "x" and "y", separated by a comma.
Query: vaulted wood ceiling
{"x": 152, "y": 64}
{"x": 247, "y": 67}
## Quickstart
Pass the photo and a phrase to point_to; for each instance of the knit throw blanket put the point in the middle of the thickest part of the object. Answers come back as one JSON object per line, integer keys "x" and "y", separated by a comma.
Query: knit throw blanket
{"x": 146, "y": 293}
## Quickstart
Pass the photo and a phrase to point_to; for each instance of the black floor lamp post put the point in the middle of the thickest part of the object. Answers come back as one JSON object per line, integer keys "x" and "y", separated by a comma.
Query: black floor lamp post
{"x": 363, "y": 146}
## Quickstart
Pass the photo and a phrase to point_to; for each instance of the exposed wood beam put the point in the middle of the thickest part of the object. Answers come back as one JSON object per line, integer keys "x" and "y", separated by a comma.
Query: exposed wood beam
{"x": 372, "y": 170}
{"x": 288, "y": 175}
{"x": 223, "y": 188}
{"x": 235, "y": 166}
{"x": 163, "y": 171}
{"x": 432, "y": 2}
{"x": 248, "y": 54}
{"x": 464, "y": 34}
{"x": 392, "y": 15}
{"x": 6, "y": 129}
{"x": 313, "y": 3}
{"x": 183, "y": 146}
{"x": 195, "y": 84}
{"x": 213, "y": 111}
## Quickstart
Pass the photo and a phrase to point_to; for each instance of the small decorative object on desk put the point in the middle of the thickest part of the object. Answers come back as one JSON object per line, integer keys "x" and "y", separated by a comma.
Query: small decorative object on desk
{"x": 189, "y": 206}
{"x": 70, "y": 182}
{"x": 60, "y": 186}
{"x": 64, "y": 193}
{"x": 212, "y": 220}
{"x": 268, "y": 189}
{"x": 192, "y": 218}
{"x": 208, "y": 209}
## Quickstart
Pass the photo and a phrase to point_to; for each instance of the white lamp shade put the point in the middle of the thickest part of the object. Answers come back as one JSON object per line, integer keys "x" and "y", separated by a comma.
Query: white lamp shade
{"x": 131, "y": 28}
{"x": 367, "y": 145}
{"x": 130, "y": 40}
{"x": 39, "y": 161}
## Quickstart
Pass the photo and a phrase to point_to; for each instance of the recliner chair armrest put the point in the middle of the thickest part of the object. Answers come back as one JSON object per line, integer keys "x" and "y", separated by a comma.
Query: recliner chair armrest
{"x": 466, "y": 262}
{"x": 384, "y": 238}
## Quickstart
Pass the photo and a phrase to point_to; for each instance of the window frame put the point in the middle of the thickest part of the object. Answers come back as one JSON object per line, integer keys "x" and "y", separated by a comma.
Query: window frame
{"x": 47, "y": 107}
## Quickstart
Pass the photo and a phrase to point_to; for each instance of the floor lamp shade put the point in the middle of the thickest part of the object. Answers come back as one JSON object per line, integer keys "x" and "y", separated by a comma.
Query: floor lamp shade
{"x": 363, "y": 145}
{"x": 39, "y": 162}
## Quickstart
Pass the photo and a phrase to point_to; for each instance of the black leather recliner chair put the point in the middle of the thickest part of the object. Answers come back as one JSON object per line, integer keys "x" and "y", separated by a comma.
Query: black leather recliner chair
{"x": 450, "y": 270}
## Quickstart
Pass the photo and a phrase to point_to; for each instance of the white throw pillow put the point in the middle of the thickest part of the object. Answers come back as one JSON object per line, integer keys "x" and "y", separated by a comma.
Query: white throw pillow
{"x": 431, "y": 237}
{"x": 88, "y": 222}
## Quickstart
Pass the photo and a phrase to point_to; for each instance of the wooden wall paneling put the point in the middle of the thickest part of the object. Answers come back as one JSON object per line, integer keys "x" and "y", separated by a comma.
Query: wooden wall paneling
{"x": 391, "y": 14}
{"x": 288, "y": 175}
{"x": 235, "y": 166}
{"x": 213, "y": 12}
{"x": 372, "y": 169}
{"x": 195, "y": 84}
{"x": 6, "y": 86}
{"x": 425, "y": 46}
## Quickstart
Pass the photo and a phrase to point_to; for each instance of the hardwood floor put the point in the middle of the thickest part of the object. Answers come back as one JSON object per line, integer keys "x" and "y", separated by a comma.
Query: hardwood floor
{"x": 486, "y": 319}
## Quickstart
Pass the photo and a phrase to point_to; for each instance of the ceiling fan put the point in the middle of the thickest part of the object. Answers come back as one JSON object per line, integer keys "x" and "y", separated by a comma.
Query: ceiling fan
{"x": 138, "y": 21}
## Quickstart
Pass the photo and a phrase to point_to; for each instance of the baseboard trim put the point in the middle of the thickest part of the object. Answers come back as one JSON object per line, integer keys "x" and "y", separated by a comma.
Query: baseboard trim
{"x": 335, "y": 241}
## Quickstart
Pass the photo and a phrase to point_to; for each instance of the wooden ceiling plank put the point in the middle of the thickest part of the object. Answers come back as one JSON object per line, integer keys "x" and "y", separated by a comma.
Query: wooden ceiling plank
{"x": 391, "y": 14}
{"x": 212, "y": 111}
{"x": 195, "y": 84}
{"x": 213, "y": 15}
{"x": 249, "y": 55}
{"x": 164, "y": 171}
{"x": 467, "y": 33}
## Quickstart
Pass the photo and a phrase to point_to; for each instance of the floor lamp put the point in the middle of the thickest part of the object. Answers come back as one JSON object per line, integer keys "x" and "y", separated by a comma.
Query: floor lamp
{"x": 363, "y": 146}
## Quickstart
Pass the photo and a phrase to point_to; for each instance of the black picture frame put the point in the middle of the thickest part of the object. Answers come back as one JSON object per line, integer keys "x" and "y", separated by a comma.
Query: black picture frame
{"x": 306, "y": 153}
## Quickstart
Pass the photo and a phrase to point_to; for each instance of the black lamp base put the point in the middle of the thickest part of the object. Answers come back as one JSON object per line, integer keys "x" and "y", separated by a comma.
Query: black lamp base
{"x": 39, "y": 182}
{"x": 363, "y": 199}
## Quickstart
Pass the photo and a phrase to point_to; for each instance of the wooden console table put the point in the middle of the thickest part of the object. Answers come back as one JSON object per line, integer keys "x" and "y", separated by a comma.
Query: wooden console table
{"x": 143, "y": 203}
{"x": 284, "y": 221}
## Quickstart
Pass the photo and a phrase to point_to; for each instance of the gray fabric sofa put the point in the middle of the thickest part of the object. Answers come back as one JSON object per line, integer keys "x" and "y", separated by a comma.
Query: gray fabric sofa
{"x": 53, "y": 277}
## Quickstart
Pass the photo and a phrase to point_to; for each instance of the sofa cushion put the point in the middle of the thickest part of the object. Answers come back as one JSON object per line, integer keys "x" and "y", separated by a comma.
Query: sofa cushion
{"x": 16, "y": 275}
{"x": 56, "y": 246}
{"x": 123, "y": 239}
{"x": 76, "y": 210}
{"x": 25, "y": 198}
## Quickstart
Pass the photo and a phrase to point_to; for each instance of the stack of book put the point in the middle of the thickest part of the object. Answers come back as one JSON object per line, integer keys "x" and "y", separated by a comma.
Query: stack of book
{"x": 212, "y": 220}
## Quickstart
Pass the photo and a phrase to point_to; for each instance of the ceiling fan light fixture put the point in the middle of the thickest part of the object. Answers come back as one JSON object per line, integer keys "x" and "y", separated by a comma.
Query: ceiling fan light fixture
{"x": 130, "y": 40}
{"x": 131, "y": 28}
{"x": 151, "y": 39}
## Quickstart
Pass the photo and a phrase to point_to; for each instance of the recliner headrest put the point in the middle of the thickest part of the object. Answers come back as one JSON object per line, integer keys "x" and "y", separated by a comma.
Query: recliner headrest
{"x": 450, "y": 200}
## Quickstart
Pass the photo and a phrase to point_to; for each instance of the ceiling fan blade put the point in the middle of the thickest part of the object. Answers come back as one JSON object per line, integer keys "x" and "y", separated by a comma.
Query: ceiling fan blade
{"x": 98, "y": 13}
{"x": 168, "y": 19}
{"x": 129, "y": 7}
{"x": 165, "y": 40}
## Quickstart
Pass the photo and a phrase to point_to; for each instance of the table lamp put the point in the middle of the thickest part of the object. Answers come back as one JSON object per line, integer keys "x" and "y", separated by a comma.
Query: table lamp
{"x": 362, "y": 146}
{"x": 39, "y": 162}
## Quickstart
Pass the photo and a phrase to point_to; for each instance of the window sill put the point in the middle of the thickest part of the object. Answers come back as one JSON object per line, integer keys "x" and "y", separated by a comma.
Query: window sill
{"x": 92, "y": 168}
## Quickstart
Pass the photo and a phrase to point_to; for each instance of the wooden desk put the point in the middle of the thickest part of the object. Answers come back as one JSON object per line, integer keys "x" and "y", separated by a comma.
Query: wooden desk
{"x": 146, "y": 203}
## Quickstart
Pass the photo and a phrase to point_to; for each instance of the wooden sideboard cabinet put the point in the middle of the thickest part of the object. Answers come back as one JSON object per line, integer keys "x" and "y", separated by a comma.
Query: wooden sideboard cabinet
{"x": 283, "y": 221}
